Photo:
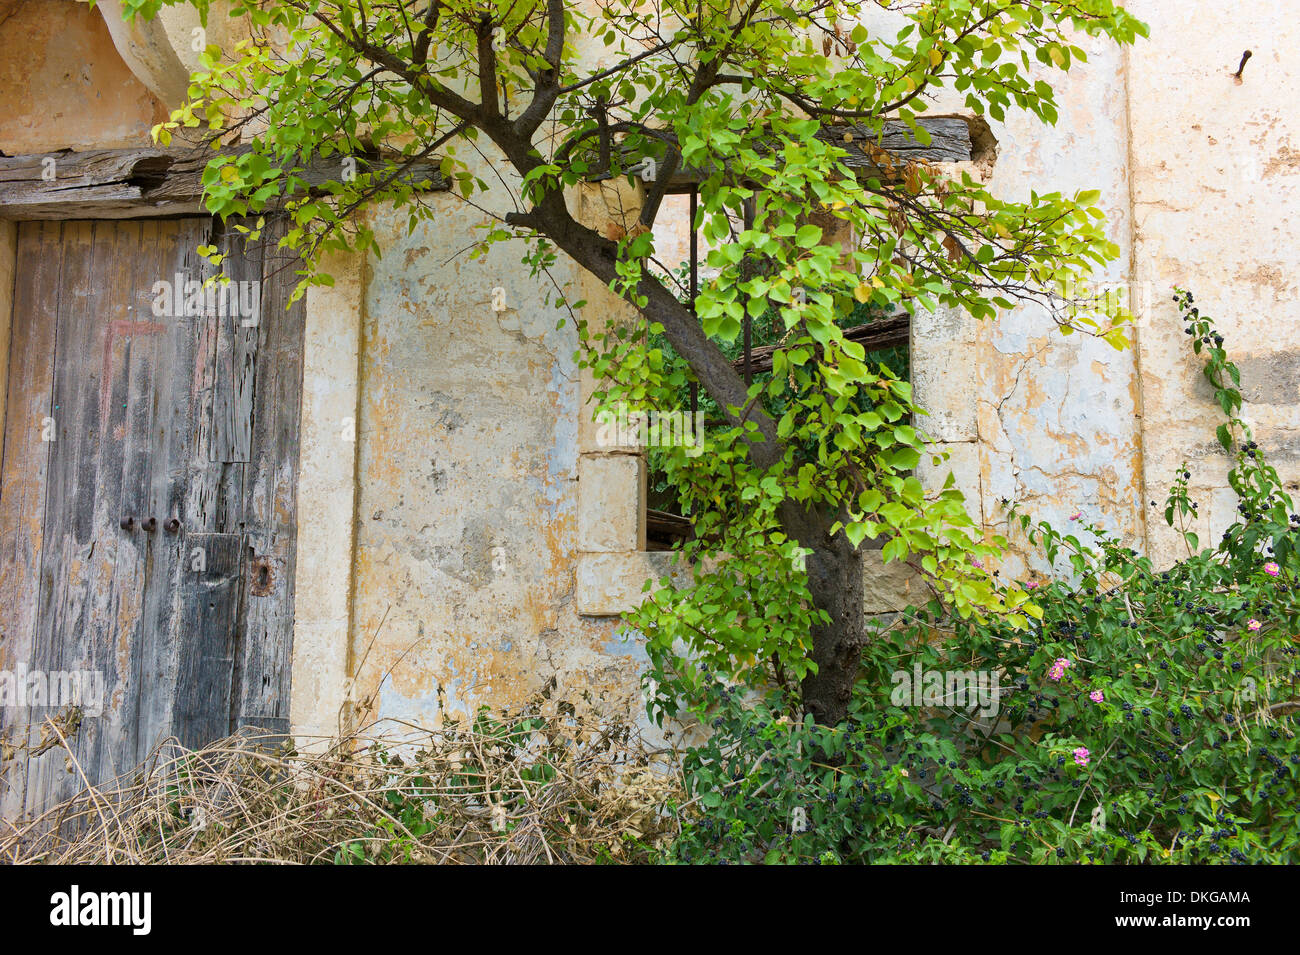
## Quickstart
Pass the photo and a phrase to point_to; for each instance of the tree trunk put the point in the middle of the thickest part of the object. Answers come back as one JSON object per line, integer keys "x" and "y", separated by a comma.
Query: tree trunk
{"x": 835, "y": 583}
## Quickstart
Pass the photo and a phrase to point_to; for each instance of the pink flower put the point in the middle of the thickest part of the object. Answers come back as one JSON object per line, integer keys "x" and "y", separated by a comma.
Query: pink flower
{"x": 1272, "y": 569}
{"x": 1252, "y": 624}
{"x": 976, "y": 562}
{"x": 1082, "y": 756}
{"x": 1058, "y": 669}
{"x": 1076, "y": 515}
{"x": 1097, "y": 696}
{"x": 1030, "y": 584}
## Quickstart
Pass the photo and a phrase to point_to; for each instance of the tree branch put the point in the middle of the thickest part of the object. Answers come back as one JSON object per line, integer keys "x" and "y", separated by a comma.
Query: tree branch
{"x": 421, "y": 50}
{"x": 548, "y": 81}
{"x": 487, "y": 71}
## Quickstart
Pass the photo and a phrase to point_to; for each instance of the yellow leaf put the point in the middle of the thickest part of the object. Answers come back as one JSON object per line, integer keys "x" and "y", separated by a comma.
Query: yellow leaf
{"x": 936, "y": 57}
{"x": 862, "y": 293}
{"x": 228, "y": 174}
{"x": 1056, "y": 56}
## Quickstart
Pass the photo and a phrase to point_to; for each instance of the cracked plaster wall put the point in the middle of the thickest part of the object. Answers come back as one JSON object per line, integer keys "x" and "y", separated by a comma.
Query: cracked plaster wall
{"x": 1216, "y": 195}
{"x": 467, "y": 518}
{"x": 1198, "y": 179}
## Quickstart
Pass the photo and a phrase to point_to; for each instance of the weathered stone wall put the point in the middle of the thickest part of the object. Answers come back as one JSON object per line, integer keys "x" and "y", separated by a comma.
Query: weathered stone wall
{"x": 1055, "y": 418}
{"x": 1197, "y": 174}
{"x": 63, "y": 84}
{"x": 1216, "y": 197}
{"x": 450, "y": 552}
{"x": 467, "y": 515}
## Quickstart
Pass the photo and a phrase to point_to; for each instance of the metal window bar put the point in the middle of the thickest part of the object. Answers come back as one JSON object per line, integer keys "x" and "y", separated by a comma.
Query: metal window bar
{"x": 694, "y": 289}
{"x": 749, "y": 214}
{"x": 747, "y": 363}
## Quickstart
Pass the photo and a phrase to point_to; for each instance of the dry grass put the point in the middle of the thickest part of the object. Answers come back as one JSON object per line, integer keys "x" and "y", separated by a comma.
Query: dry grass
{"x": 552, "y": 783}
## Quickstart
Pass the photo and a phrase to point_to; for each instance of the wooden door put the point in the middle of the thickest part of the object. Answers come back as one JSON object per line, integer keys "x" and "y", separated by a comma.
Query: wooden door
{"x": 147, "y": 495}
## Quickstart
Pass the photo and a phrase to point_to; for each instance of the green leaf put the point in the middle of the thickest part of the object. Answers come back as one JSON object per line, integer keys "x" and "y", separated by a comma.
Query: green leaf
{"x": 808, "y": 236}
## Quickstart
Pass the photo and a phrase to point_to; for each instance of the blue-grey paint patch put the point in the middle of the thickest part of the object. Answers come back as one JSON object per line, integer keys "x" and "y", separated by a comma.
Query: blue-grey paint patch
{"x": 628, "y": 642}
{"x": 562, "y": 459}
{"x": 1012, "y": 332}
{"x": 393, "y": 705}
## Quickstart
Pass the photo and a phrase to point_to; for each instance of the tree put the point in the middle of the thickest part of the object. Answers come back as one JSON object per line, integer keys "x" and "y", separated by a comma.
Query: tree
{"x": 819, "y": 457}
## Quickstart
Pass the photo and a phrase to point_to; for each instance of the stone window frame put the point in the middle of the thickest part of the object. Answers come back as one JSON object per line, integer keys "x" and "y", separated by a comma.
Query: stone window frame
{"x": 613, "y": 563}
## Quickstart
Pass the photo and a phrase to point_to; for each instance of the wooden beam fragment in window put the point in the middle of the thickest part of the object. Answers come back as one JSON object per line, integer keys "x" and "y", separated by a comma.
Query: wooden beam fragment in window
{"x": 891, "y": 332}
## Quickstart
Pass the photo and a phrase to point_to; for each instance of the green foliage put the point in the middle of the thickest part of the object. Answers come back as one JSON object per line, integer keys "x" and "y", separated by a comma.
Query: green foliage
{"x": 1149, "y": 717}
{"x": 742, "y": 93}
{"x": 849, "y": 428}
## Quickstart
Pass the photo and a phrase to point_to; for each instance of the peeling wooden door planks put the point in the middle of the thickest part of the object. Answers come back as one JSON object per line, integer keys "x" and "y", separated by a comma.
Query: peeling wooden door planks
{"x": 184, "y": 422}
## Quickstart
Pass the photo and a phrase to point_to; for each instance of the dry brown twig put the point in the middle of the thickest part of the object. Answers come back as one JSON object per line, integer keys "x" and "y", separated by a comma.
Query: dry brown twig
{"x": 570, "y": 783}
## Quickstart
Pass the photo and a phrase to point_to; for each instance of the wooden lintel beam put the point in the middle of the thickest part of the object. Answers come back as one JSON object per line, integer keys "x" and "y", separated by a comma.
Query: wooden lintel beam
{"x": 131, "y": 183}
{"x": 949, "y": 142}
